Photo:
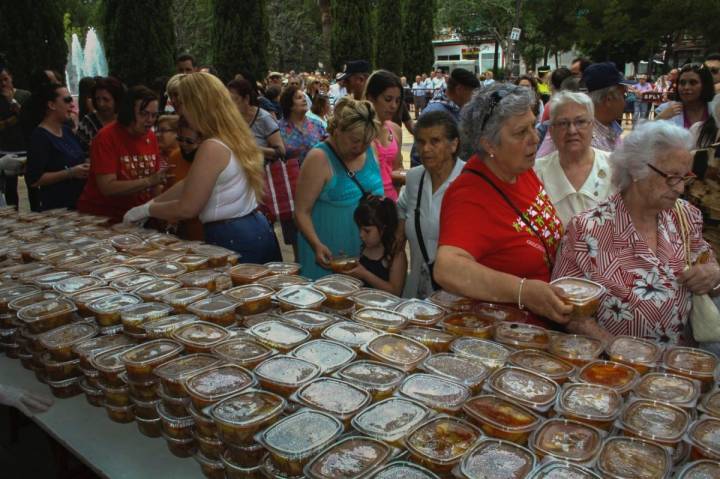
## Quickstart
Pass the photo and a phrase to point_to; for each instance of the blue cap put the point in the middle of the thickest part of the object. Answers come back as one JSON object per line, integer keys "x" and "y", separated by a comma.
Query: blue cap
{"x": 603, "y": 75}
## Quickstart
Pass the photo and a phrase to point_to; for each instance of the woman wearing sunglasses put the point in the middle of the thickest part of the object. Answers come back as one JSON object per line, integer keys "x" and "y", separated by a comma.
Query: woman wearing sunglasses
{"x": 632, "y": 243}
{"x": 56, "y": 160}
{"x": 695, "y": 90}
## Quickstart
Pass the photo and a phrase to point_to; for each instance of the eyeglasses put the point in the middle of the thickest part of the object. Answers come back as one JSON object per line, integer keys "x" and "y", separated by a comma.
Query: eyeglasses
{"x": 185, "y": 139}
{"x": 674, "y": 180}
{"x": 578, "y": 123}
{"x": 68, "y": 99}
{"x": 495, "y": 99}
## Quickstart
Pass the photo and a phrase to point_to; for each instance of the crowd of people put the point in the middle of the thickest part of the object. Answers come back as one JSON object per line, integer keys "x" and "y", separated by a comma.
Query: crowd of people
{"x": 513, "y": 184}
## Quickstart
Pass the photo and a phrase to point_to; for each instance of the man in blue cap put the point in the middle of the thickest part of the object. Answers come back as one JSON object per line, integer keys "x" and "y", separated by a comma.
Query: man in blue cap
{"x": 606, "y": 87}
{"x": 355, "y": 74}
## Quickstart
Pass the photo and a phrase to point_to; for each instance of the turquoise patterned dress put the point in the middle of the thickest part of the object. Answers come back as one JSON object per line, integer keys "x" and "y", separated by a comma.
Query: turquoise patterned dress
{"x": 332, "y": 214}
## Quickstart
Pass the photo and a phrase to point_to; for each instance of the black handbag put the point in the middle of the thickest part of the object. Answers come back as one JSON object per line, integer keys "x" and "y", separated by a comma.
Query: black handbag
{"x": 421, "y": 240}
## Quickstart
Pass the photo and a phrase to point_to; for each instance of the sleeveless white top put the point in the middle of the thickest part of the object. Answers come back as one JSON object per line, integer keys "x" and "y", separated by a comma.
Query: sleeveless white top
{"x": 231, "y": 196}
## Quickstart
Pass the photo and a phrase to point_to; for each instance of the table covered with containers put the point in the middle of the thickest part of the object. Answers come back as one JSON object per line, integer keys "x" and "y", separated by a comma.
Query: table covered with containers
{"x": 255, "y": 371}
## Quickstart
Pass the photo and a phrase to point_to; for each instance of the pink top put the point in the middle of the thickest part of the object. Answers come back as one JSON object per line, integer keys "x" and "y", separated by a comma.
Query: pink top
{"x": 386, "y": 158}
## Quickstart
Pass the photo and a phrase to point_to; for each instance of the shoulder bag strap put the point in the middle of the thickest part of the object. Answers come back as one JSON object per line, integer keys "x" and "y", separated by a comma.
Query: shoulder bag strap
{"x": 684, "y": 231}
{"x": 418, "y": 229}
{"x": 350, "y": 174}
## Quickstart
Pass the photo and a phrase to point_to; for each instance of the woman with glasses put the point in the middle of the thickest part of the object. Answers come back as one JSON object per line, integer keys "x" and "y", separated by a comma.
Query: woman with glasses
{"x": 695, "y": 89}
{"x": 56, "y": 161}
{"x": 632, "y": 245}
{"x": 576, "y": 176}
{"x": 498, "y": 228}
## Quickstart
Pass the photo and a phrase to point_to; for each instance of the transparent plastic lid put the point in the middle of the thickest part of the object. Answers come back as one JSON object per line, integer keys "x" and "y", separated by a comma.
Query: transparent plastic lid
{"x": 575, "y": 347}
{"x": 629, "y": 349}
{"x": 300, "y": 297}
{"x": 215, "y": 253}
{"x": 704, "y": 434}
{"x": 351, "y": 334}
{"x": 201, "y": 334}
{"x": 248, "y": 272}
{"x": 308, "y": 319}
{"x": 301, "y": 435}
{"x": 562, "y": 470}
{"x": 374, "y": 298}
{"x": 219, "y": 381}
{"x": 703, "y": 469}
{"x": 125, "y": 241}
{"x": 403, "y": 470}
{"x": 113, "y": 303}
{"x": 46, "y": 309}
{"x": 167, "y": 269}
{"x": 397, "y": 350}
{"x": 521, "y": 335}
{"x": 497, "y": 459}
{"x": 74, "y": 284}
{"x": 566, "y": 439}
{"x": 248, "y": 408}
{"x": 249, "y": 293}
{"x": 87, "y": 296}
{"x": 282, "y": 267}
{"x": 12, "y": 292}
{"x": 110, "y": 360}
{"x": 88, "y": 347}
{"x": 654, "y": 420}
{"x": 157, "y": 288}
{"x": 692, "y": 361}
{"x": 280, "y": 281}
{"x": 179, "y": 369}
{"x": 489, "y": 353}
{"x": 152, "y": 352}
{"x": 590, "y": 401}
{"x": 608, "y": 373}
{"x": 450, "y": 301}
{"x": 525, "y": 387}
{"x": 32, "y": 298}
{"x": 145, "y": 311}
{"x": 498, "y": 312}
{"x": 193, "y": 261}
{"x": 184, "y": 296}
{"x": 468, "y": 323}
{"x": 49, "y": 279}
{"x": 442, "y": 440}
{"x": 623, "y": 457}
{"x": 133, "y": 281}
{"x": 333, "y": 396}
{"x": 379, "y": 318}
{"x": 328, "y": 355}
{"x": 66, "y": 336}
{"x": 199, "y": 279}
{"x": 372, "y": 374}
{"x": 501, "y": 414}
{"x": 467, "y": 372}
{"x": 433, "y": 338}
{"x": 351, "y": 457}
{"x": 217, "y": 305}
{"x": 579, "y": 291}
{"x": 542, "y": 363}
{"x": 669, "y": 388}
{"x": 390, "y": 420}
{"x": 420, "y": 312}
{"x": 711, "y": 403}
{"x": 337, "y": 287}
{"x": 141, "y": 262}
{"x": 435, "y": 392}
{"x": 111, "y": 273}
{"x": 287, "y": 370}
{"x": 165, "y": 326}
{"x": 277, "y": 334}
{"x": 242, "y": 351}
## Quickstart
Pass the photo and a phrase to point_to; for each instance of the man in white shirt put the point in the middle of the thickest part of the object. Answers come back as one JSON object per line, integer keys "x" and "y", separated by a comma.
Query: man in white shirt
{"x": 337, "y": 90}
{"x": 418, "y": 91}
{"x": 488, "y": 79}
{"x": 438, "y": 82}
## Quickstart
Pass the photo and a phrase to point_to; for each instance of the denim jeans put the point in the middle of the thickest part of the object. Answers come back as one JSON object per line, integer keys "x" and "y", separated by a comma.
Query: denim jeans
{"x": 251, "y": 236}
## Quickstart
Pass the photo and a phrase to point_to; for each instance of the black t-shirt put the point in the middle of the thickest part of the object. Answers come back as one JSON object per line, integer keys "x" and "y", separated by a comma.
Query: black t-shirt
{"x": 11, "y": 133}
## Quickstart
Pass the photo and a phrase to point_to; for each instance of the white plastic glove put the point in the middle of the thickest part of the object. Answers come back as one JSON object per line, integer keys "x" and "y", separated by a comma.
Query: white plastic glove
{"x": 138, "y": 214}
{"x": 28, "y": 403}
{"x": 12, "y": 164}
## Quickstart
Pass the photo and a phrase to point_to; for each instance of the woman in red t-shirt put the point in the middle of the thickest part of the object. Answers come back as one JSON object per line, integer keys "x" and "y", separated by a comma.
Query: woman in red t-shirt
{"x": 498, "y": 229}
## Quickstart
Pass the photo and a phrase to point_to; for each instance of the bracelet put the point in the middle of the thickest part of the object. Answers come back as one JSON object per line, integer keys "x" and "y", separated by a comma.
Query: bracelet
{"x": 520, "y": 305}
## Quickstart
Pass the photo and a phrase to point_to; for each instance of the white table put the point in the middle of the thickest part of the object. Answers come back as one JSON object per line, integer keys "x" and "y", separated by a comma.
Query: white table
{"x": 112, "y": 450}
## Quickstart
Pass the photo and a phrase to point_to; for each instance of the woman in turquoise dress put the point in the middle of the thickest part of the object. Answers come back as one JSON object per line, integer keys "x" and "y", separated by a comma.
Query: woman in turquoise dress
{"x": 334, "y": 177}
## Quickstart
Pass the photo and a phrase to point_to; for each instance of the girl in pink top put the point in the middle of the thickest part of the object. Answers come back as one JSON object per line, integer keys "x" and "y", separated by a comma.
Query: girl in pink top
{"x": 384, "y": 90}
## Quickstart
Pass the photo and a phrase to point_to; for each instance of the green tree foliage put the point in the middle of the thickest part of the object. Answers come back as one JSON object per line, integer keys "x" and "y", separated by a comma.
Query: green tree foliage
{"x": 350, "y": 38}
{"x": 193, "y": 23}
{"x": 548, "y": 27}
{"x": 389, "y": 49}
{"x": 240, "y": 38}
{"x": 139, "y": 39}
{"x": 32, "y": 37}
{"x": 79, "y": 15}
{"x": 294, "y": 28}
{"x": 418, "y": 54}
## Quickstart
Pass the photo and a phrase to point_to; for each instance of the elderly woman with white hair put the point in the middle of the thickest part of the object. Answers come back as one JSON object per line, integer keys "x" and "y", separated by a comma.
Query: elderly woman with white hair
{"x": 576, "y": 175}
{"x": 499, "y": 231}
{"x": 632, "y": 243}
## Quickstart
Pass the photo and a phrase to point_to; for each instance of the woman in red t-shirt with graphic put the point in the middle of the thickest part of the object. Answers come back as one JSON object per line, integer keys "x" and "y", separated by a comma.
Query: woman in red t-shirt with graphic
{"x": 498, "y": 229}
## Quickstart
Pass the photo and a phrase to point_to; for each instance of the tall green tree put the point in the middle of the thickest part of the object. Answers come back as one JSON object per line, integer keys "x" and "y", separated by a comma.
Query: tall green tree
{"x": 139, "y": 39}
{"x": 350, "y": 38}
{"x": 240, "y": 37}
{"x": 193, "y": 23}
{"x": 417, "y": 28}
{"x": 293, "y": 27}
{"x": 32, "y": 37}
{"x": 389, "y": 53}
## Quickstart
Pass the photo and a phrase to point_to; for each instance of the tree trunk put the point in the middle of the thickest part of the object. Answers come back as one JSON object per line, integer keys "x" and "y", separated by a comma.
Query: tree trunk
{"x": 495, "y": 57}
{"x": 326, "y": 22}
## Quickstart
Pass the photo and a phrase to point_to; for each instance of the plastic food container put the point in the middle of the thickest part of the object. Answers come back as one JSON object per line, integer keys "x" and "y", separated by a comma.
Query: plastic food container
{"x": 524, "y": 387}
{"x": 611, "y": 374}
{"x": 243, "y": 352}
{"x": 117, "y": 396}
{"x": 168, "y": 269}
{"x": 461, "y": 370}
{"x": 440, "y": 442}
{"x": 390, "y": 420}
{"x": 700, "y": 470}
{"x": 94, "y": 396}
{"x": 140, "y": 262}
{"x": 66, "y": 388}
{"x": 542, "y": 363}
{"x": 711, "y": 403}
{"x": 421, "y": 313}
{"x": 251, "y": 299}
{"x": 354, "y": 456}
{"x": 591, "y": 404}
{"x": 497, "y": 459}
{"x": 216, "y": 309}
{"x": 141, "y": 360}
{"x": 469, "y": 323}
{"x": 343, "y": 263}
{"x": 135, "y": 316}
{"x": 153, "y": 290}
{"x": 111, "y": 273}
{"x": 374, "y": 298}
{"x": 332, "y": 396}
{"x": 217, "y": 255}
{"x": 193, "y": 262}
{"x": 639, "y": 353}
{"x": 200, "y": 336}
{"x": 133, "y": 281}
{"x": 176, "y": 406}
{"x": 280, "y": 281}
{"x": 282, "y": 267}
{"x": 125, "y": 241}
{"x": 350, "y": 334}
{"x": 562, "y": 470}
{"x": 19, "y": 303}
{"x": 378, "y": 379}
{"x": 329, "y": 356}
{"x": 47, "y": 280}
{"x": 521, "y": 336}
{"x": 240, "y": 417}
{"x": 299, "y": 297}
{"x": 566, "y": 439}
{"x": 164, "y": 327}
{"x": 500, "y": 418}
{"x": 149, "y": 427}
{"x": 623, "y": 457}
{"x": 691, "y": 362}
{"x": 83, "y": 298}
{"x": 249, "y": 456}
{"x": 180, "y": 299}
{"x": 278, "y": 335}
{"x": 59, "y": 341}
{"x": 173, "y": 373}
{"x": 181, "y": 447}
{"x": 211, "y": 468}
{"x": 74, "y": 284}
{"x": 175, "y": 427}
{"x": 87, "y": 349}
{"x": 450, "y": 301}
{"x": 145, "y": 396}
{"x": 403, "y": 469}
{"x": 204, "y": 278}
{"x": 398, "y": 351}
{"x": 309, "y": 320}
{"x": 704, "y": 439}
{"x": 60, "y": 370}
{"x": 294, "y": 440}
{"x": 582, "y": 294}
{"x": 107, "y": 309}
{"x": 438, "y": 393}
{"x": 234, "y": 471}
{"x": 490, "y": 354}
{"x": 670, "y": 388}
{"x": 575, "y": 349}
{"x": 46, "y": 315}
{"x": 436, "y": 340}
{"x": 338, "y": 292}
{"x": 211, "y": 448}
{"x": 383, "y": 319}
{"x": 248, "y": 273}
{"x": 14, "y": 291}
{"x": 285, "y": 374}
{"x": 658, "y": 422}
{"x": 209, "y": 386}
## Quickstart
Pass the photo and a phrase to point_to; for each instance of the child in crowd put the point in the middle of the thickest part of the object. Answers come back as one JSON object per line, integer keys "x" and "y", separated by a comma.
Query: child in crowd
{"x": 382, "y": 264}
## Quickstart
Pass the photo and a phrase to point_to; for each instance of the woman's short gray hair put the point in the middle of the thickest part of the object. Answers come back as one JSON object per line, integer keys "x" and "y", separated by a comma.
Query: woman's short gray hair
{"x": 563, "y": 98}
{"x": 641, "y": 147}
{"x": 487, "y": 111}
{"x": 599, "y": 96}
